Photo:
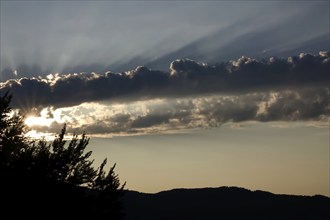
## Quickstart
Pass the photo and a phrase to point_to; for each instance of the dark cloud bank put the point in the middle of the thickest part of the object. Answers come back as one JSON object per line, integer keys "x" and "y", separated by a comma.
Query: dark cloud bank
{"x": 198, "y": 95}
{"x": 186, "y": 77}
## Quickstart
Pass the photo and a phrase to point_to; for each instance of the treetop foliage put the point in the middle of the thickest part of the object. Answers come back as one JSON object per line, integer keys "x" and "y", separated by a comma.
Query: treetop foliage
{"x": 67, "y": 164}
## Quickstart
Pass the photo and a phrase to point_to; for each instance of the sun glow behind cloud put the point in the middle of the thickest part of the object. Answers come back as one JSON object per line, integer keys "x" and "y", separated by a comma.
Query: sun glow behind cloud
{"x": 46, "y": 117}
{"x": 38, "y": 121}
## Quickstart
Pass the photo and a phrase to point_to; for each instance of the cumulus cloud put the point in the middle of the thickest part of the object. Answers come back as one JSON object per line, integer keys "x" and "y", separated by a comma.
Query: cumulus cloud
{"x": 186, "y": 78}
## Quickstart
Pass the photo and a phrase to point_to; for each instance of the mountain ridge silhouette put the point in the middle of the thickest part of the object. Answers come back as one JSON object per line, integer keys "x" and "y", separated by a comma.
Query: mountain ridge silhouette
{"x": 223, "y": 203}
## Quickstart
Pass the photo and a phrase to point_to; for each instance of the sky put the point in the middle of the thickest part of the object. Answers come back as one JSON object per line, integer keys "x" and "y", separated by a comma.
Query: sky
{"x": 179, "y": 93}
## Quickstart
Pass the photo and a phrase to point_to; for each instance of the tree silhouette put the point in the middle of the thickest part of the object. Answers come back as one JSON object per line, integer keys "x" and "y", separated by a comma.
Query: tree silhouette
{"x": 13, "y": 144}
{"x": 54, "y": 171}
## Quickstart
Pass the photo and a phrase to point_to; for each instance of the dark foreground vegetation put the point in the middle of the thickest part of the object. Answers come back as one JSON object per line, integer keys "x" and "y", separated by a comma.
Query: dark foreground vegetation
{"x": 56, "y": 179}
{"x": 224, "y": 203}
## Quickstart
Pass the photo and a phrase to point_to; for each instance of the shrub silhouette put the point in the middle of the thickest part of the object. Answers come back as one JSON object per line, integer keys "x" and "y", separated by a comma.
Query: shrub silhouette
{"x": 52, "y": 178}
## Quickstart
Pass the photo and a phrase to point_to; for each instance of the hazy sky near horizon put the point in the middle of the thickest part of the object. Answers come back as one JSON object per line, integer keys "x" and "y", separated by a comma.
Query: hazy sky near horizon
{"x": 284, "y": 158}
{"x": 179, "y": 93}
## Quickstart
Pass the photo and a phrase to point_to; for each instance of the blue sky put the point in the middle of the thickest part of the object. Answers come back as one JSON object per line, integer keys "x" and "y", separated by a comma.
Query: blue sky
{"x": 237, "y": 90}
{"x": 64, "y": 36}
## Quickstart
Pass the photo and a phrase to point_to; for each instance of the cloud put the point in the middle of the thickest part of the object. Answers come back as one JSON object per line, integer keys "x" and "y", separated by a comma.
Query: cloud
{"x": 186, "y": 78}
{"x": 296, "y": 105}
{"x": 180, "y": 114}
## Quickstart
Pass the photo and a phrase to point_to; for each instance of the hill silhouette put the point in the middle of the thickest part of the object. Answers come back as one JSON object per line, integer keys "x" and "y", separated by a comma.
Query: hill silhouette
{"x": 223, "y": 203}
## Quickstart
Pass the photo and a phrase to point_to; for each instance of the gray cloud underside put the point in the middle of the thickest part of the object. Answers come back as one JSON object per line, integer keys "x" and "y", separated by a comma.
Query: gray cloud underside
{"x": 186, "y": 78}
{"x": 168, "y": 115}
